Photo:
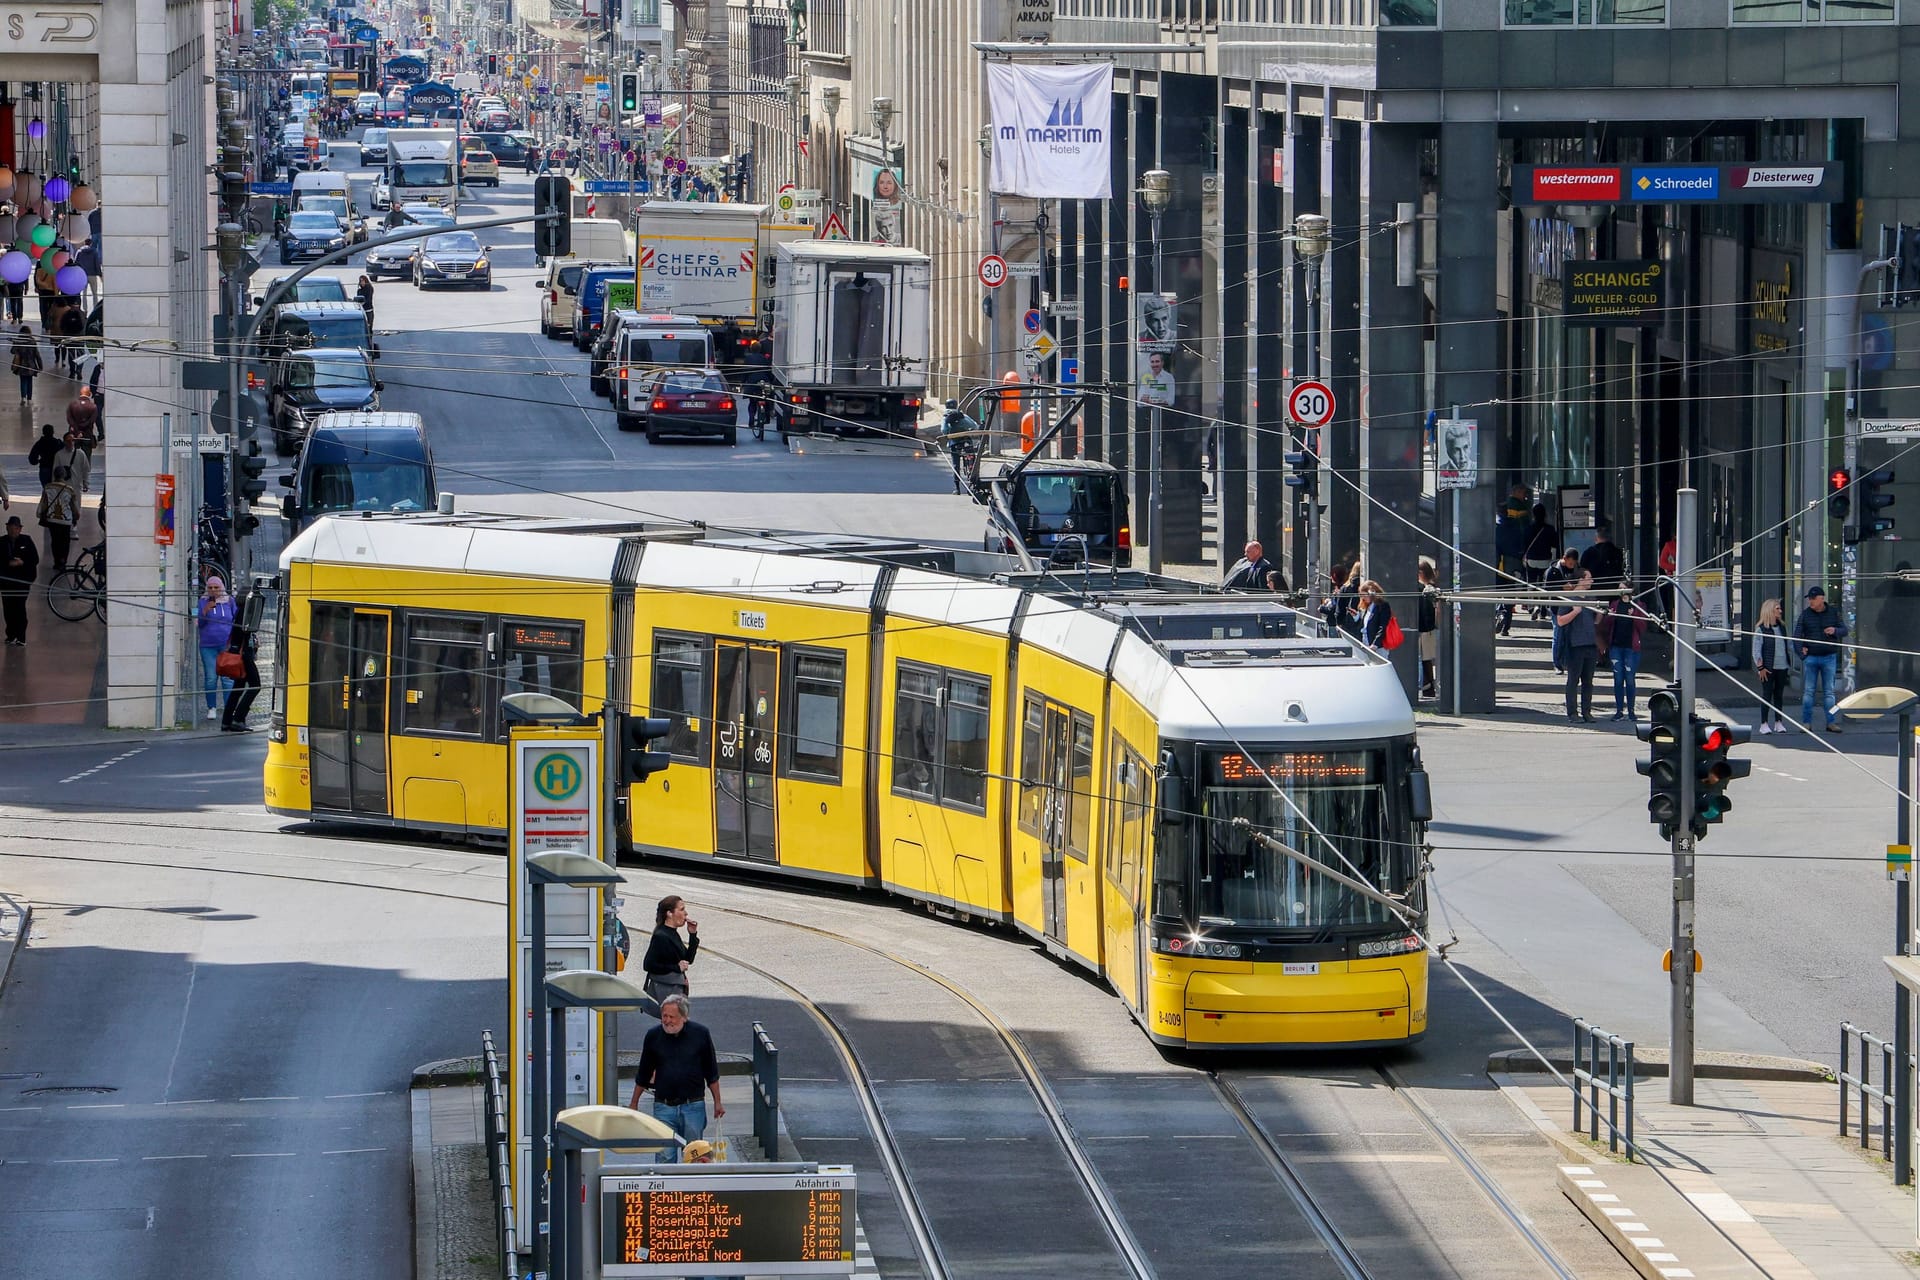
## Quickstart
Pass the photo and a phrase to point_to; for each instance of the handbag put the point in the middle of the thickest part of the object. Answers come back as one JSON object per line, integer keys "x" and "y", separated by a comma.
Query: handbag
{"x": 230, "y": 666}
{"x": 1392, "y": 637}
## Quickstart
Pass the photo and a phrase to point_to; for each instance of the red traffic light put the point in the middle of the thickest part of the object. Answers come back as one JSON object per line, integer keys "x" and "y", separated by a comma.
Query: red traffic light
{"x": 1838, "y": 479}
{"x": 1716, "y": 739}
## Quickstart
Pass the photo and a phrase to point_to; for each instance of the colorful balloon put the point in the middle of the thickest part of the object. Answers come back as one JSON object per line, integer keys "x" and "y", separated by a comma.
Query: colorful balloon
{"x": 58, "y": 189}
{"x": 15, "y": 267}
{"x": 71, "y": 280}
{"x": 43, "y": 235}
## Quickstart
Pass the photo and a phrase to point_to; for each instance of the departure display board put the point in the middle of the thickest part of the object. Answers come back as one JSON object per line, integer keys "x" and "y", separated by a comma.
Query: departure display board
{"x": 1329, "y": 768}
{"x": 727, "y": 1224}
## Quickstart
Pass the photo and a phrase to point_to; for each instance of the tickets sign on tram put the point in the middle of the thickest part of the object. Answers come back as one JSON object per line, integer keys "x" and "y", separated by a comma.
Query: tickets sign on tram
{"x": 766, "y": 1223}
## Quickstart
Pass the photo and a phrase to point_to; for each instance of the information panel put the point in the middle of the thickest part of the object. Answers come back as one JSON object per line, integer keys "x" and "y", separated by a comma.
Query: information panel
{"x": 785, "y": 1224}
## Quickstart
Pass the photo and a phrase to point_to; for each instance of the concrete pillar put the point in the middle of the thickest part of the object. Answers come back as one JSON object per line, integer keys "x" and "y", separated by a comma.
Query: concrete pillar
{"x": 1302, "y": 196}
{"x": 1236, "y": 429}
{"x": 1268, "y": 321}
{"x": 1340, "y": 335}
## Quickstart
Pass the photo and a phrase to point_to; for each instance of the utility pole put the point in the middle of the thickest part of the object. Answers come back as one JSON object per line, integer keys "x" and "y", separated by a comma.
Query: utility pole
{"x": 1686, "y": 625}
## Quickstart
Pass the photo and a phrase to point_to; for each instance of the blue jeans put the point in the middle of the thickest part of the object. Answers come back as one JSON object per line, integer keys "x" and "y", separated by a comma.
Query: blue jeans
{"x": 1626, "y": 666}
{"x": 689, "y": 1120}
{"x": 216, "y": 686}
{"x": 1817, "y": 669}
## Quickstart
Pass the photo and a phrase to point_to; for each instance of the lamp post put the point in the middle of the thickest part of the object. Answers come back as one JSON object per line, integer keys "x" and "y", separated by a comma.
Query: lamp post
{"x": 600, "y": 1128}
{"x": 575, "y": 870}
{"x": 577, "y": 989}
{"x": 1877, "y": 704}
{"x": 830, "y": 103}
{"x": 796, "y": 98}
{"x": 1311, "y": 240}
{"x": 1156, "y": 193}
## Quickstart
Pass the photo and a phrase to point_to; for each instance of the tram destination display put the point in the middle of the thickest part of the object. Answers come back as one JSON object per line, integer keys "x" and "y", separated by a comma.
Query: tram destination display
{"x": 760, "y": 1223}
{"x": 1239, "y": 769}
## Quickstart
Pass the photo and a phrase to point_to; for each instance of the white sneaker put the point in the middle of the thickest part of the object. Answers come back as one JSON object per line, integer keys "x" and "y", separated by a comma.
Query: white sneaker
{"x": 1766, "y": 728}
{"x": 213, "y": 713}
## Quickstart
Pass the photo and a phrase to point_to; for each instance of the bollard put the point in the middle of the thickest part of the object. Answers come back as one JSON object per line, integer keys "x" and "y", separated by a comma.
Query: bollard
{"x": 766, "y": 1093}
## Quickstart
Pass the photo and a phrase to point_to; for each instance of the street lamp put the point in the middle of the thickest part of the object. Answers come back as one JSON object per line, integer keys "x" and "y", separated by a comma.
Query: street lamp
{"x": 881, "y": 111}
{"x": 1311, "y": 240}
{"x": 830, "y": 103}
{"x": 603, "y": 993}
{"x": 1877, "y": 704}
{"x": 796, "y": 97}
{"x": 575, "y": 870}
{"x": 600, "y": 1128}
{"x": 1156, "y": 193}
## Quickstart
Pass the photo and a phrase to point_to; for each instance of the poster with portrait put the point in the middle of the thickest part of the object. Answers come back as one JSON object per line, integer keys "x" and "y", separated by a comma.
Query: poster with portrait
{"x": 884, "y": 205}
{"x": 1154, "y": 380}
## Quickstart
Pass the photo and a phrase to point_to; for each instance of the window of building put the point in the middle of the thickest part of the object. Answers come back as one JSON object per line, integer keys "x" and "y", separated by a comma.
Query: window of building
{"x": 445, "y": 681}
{"x": 541, "y": 657}
{"x": 681, "y": 693}
{"x": 940, "y": 727}
{"x": 1806, "y": 12}
{"x": 1409, "y": 13}
{"x": 1585, "y": 13}
{"x": 817, "y": 695}
{"x": 767, "y": 47}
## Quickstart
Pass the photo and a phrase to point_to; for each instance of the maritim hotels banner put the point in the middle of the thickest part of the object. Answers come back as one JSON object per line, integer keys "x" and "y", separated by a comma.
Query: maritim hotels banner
{"x": 1052, "y": 130}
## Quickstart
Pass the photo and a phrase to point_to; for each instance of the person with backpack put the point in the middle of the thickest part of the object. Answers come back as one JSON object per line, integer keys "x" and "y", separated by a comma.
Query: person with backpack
{"x": 1378, "y": 630}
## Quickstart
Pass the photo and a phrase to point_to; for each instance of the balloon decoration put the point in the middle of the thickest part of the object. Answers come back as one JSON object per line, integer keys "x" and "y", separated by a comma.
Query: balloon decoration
{"x": 43, "y": 235}
{"x": 36, "y": 129}
{"x": 6, "y": 182}
{"x": 83, "y": 198}
{"x": 71, "y": 280}
{"x": 26, "y": 187}
{"x": 75, "y": 228}
{"x": 15, "y": 267}
{"x": 58, "y": 189}
{"x": 58, "y": 259}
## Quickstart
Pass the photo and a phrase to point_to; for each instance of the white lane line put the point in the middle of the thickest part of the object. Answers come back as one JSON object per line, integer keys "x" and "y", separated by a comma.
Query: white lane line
{"x": 272, "y": 1097}
{"x": 104, "y": 764}
{"x": 94, "y": 1106}
{"x": 377, "y": 1093}
{"x": 22, "y": 1108}
{"x": 352, "y": 1151}
{"x": 257, "y": 1155}
{"x": 90, "y": 1160}
{"x": 187, "y": 1102}
{"x": 173, "y": 1157}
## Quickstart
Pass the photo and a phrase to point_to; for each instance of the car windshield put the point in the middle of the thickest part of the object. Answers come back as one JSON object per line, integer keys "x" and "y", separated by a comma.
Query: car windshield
{"x": 332, "y": 206}
{"x": 343, "y": 330}
{"x": 1073, "y": 502}
{"x": 423, "y": 173}
{"x": 691, "y": 384}
{"x": 316, "y": 289}
{"x": 313, "y": 224}
{"x": 334, "y": 374}
{"x": 570, "y": 278}
{"x": 646, "y": 350}
{"x": 373, "y": 137}
{"x": 368, "y": 486}
{"x": 458, "y": 242}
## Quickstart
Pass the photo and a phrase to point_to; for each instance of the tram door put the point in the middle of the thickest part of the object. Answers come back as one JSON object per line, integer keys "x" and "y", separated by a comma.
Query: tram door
{"x": 1056, "y": 757}
{"x": 347, "y": 709}
{"x": 745, "y": 719}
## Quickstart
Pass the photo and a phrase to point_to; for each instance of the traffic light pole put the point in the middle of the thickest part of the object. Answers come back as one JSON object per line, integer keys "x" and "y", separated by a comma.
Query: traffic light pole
{"x": 1686, "y": 625}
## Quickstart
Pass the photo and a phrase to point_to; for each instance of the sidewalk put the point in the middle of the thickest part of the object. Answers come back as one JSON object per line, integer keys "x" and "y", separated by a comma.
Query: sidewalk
{"x": 1758, "y": 1181}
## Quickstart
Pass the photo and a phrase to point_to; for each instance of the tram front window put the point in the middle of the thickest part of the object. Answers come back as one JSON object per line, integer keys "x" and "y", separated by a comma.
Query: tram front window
{"x": 1296, "y": 797}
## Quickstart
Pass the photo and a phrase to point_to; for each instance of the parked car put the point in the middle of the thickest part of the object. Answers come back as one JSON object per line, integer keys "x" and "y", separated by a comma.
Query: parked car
{"x": 311, "y": 234}
{"x": 478, "y": 168}
{"x": 305, "y": 383}
{"x": 455, "y": 257}
{"x": 683, "y": 402}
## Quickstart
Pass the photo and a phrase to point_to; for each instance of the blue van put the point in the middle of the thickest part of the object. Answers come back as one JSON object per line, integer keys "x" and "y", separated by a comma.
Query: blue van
{"x": 590, "y": 307}
{"x": 360, "y": 462}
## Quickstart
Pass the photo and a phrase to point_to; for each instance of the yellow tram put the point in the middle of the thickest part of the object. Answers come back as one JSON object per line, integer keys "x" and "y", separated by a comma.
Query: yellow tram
{"x": 1067, "y": 755}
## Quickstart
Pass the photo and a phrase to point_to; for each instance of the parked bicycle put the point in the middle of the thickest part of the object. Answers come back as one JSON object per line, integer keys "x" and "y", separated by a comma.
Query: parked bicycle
{"x": 210, "y": 544}
{"x": 80, "y": 590}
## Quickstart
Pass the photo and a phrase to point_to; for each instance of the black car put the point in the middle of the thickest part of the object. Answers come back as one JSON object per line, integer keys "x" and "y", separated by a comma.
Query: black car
{"x": 507, "y": 149}
{"x": 306, "y": 383}
{"x": 311, "y": 235}
{"x": 457, "y": 257}
{"x": 692, "y": 402}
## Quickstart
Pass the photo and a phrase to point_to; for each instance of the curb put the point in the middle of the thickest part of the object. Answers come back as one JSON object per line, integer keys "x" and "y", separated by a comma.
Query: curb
{"x": 1651, "y": 1064}
{"x": 1645, "y": 1252}
{"x": 426, "y": 1206}
{"x": 110, "y": 738}
{"x": 16, "y": 920}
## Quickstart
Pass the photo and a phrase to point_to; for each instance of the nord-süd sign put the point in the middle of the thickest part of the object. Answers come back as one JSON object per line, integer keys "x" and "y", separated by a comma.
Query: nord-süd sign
{"x": 1613, "y": 293}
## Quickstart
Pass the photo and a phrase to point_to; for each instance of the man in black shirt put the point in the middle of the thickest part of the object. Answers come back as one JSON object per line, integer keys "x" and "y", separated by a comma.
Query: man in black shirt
{"x": 1604, "y": 559}
{"x": 676, "y": 1061}
{"x": 1254, "y": 572}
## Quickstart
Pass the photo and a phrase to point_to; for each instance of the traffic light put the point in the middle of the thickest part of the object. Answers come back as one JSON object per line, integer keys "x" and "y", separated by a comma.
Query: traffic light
{"x": 1665, "y": 768}
{"x": 552, "y": 236}
{"x": 1874, "y": 499}
{"x": 493, "y": 64}
{"x": 629, "y": 92}
{"x": 1713, "y": 769}
{"x": 1906, "y": 266}
{"x": 1303, "y": 472}
{"x": 250, "y": 485}
{"x": 1839, "y": 493}
{"x": 637, "y": 758}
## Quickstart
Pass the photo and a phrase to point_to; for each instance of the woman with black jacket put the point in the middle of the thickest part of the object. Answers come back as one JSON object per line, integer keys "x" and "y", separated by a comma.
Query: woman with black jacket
{"x": 668, "y": 958}
{"x": 1375, "y": 614}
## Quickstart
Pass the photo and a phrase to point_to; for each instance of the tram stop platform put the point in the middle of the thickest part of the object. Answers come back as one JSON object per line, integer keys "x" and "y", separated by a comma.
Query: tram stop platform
{"x": 1752, "y": 1181}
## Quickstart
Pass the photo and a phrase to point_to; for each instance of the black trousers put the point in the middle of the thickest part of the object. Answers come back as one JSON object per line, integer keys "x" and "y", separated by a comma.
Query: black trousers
{"x": 13, "y": 603}
{"x": 245, "y": 690}
{"x": 1773, "y": 688}
{"x": 59, "y": 539}
{"x": 1581, "y": 661}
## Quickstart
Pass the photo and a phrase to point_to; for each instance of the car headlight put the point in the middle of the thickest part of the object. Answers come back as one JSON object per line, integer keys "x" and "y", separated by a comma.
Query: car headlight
{"x": 337, "y": 242}
{"x": 481, "y": 265}
{"x": 429, "y": 264}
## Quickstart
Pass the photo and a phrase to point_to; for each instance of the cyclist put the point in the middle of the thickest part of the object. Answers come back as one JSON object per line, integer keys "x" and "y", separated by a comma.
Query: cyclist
{"x": 960, "y": 436}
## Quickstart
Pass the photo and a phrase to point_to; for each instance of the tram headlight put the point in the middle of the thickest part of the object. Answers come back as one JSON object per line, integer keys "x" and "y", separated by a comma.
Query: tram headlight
{"x": 1374, "y": 948}
{"x": 1200, "y": 948}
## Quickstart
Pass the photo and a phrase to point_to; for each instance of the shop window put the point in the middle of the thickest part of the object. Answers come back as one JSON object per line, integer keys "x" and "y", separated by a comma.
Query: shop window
{"x": 444, "y": 686}
{"x": 817, "y": 696}
{"x": 681, "y": 692}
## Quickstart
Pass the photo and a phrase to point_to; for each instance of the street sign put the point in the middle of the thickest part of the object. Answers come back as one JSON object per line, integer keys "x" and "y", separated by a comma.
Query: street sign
{"x": 1064, "y": 309}
{"x": 1069, "y": 370}
{"x": 1310, "y": 404}
{"x": 270, "y": 188}
{"x": 1458, "y": 456}
{"x": 784, "y": 202}
{"x": 1024, "y": 270}
{"x": 1033, "y": 321}
{"x": 615, "y": 186}
{"x": 1039, "y": 346}
{"x": 993, "y": 271}
{"x": 206, "y": 443}
{"x": 835, "y": 229}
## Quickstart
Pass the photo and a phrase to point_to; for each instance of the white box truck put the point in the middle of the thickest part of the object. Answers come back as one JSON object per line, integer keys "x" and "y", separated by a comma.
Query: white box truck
{"x": 421, "y": 166}
{"x": 711, "y": 261}
{"x": 850, "y": 337}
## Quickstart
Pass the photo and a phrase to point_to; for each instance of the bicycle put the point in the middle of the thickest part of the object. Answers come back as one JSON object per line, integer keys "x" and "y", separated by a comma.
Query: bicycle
{"x": 80, "y": 590}
{"x": 210, "y": 546}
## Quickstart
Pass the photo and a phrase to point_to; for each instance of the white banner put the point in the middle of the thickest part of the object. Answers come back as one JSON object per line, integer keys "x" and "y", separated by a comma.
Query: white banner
{"x": 1052, "y": 130}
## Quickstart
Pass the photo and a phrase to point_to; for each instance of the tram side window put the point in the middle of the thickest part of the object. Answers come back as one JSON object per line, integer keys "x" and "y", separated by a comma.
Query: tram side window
{"x": 1033, "y": 787}
{"x": 940, "y": 724}
{"x": 964, "y": 778}
{"x": 916, "y": 732}
{"x": 680, "y": 691}
{"x": 329, "y": 652}
{"x": 542, "y": 657}
{"x": 1126, "y": 842}
{"x": 818, "y": 693}
{"x": 1080, "y": 788}
{"x": 445, "y": 689}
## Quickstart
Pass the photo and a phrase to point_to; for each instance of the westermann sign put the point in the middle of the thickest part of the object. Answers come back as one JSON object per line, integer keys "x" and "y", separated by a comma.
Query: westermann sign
{"x": 1052, "y": 130}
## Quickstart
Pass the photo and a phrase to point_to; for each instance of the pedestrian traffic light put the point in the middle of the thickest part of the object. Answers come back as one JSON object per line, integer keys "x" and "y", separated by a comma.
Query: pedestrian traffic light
{"x": 1874, "y": 499}
{"x": 553, "y": 207}
{"x": 1665, "y": 768}
{"x": 629, "y": 92}
{"x": 248, "y": 468}
{"x": 1714, "y": 769}
{"x": 1839, "y": 493}
{"x": 1303, "y": 472}
{"x": 493, "y": 64}
{"x": 1906, "y": 266}
{"x": 633, "y": 743}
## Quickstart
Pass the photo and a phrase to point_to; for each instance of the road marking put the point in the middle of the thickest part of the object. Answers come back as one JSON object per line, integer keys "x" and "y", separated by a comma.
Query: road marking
{"x": 257, "y": 1155}
{"x": 186, "y": 1102}
{"x": 21, "y": 1108}
{"x": 104, "y": 764}
{"x": 271, "y": 1097}
{"x": 378, "y": 1093}
{"x": 90, "y": 1160}
{"x": 94, "y": 1106}
{"x": 352, "y": 1151}
{"x": 173, "y": 1157}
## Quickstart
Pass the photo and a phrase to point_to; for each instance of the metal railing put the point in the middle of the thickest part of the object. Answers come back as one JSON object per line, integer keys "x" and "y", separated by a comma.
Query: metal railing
{"x": 499, "y": 1162}
{"x": 766, "y": 1093}
{"x": 1616, "y": 1083}
{"x": 1864, "y": 1087}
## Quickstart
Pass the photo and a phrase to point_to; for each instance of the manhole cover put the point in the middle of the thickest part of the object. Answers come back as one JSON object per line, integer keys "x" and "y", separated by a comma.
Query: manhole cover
{"x": 49, "y": 1090}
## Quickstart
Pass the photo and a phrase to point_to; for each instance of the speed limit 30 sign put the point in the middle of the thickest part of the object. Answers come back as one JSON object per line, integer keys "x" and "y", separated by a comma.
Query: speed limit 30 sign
{"x": 993, "y": 271}
{"x": 1311, "y": 404}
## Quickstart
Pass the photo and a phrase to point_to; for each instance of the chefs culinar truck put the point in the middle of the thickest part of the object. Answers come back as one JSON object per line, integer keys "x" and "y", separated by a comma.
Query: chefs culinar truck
{"x": 850, "y": 334}
{"x": 714, "y": 262}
